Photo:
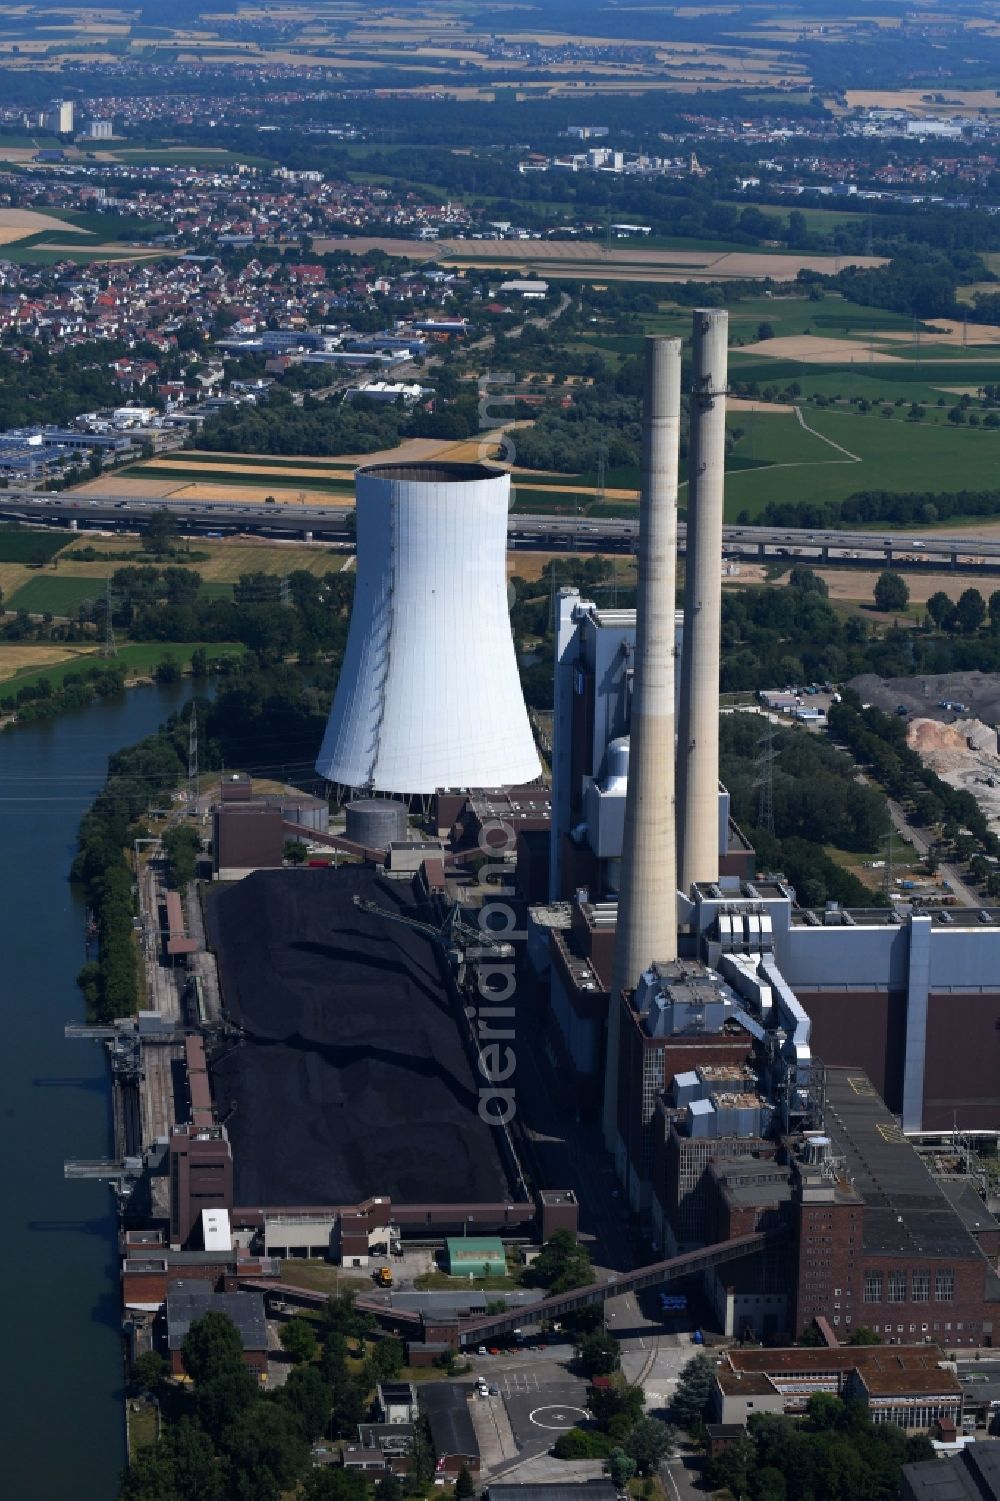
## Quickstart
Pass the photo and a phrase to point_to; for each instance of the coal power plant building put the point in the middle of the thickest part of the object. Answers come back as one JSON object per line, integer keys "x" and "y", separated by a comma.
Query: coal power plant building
{"x": 909, "y": 997}
{"x": 429, "y": 695}
{"x": 351, "y": 1077}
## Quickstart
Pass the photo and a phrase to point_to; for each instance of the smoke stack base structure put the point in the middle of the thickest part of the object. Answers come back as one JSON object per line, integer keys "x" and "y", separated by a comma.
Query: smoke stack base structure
{"x": 647, "y": 902}
{"x": 429, "y": 694}
{"x": 698, "y": 723}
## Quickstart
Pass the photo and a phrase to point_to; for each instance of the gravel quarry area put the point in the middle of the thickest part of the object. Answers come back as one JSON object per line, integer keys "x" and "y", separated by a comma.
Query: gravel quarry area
{"x": 923, "y": 695}
{"x": 964, "y": 754}
{"x": 959, "y": 744}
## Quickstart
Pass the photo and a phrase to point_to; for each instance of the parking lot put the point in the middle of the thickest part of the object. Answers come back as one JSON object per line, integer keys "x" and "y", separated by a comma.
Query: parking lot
{"x": 542, "y": 1404}
{"x": 541, "y": 1399}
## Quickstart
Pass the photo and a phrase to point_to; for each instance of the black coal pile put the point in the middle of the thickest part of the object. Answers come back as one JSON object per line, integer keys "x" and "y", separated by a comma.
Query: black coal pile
{"x": 352, "y": 1079}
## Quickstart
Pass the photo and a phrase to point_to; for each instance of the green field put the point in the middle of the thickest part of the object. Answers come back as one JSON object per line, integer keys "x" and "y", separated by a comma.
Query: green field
{"x": 59, "y": 595}
{"x": 337, "y": 467}
{"x": 891, "y": 455}
{"x": 911, "y": 380}
{"x": 14, "y": 140}
{"x": 776, "y": 458}
{"x": 21, "y": 545}
{"x": 216, "y": 476}
{"x": 27, "y": 254}
{"x": 818, "y": 220}
{"x": 831, "y": 316}
{"x": 187, "y": 156}
{"x": 139, "y": 657}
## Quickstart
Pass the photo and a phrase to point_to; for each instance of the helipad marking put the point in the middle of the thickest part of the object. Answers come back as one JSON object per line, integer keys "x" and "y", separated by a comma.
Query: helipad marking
{"x": 564, "y": 1417}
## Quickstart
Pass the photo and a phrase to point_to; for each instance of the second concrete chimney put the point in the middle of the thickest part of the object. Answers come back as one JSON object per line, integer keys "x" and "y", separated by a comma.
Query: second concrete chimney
{"x": 647, "y": 902}
{"x": 698, "y": 727}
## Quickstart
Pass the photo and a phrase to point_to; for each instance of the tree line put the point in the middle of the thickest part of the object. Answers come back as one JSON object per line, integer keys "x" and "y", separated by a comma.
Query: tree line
{"x": 878, "y": 740}
{"x": 262, "y": 719}
{"x": 225, "y": 1439}
{"x": 44, "y": 699}
{"x": 272, "y": 615}
{"x": 837, "y": 1453}
{"x": 867, "y": 507}
{"x": 327, "y": 427}
{"x": 816, "y": 801}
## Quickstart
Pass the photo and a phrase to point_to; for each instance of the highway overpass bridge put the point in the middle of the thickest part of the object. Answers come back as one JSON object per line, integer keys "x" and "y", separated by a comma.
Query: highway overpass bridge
{"x": 86, "y": 511}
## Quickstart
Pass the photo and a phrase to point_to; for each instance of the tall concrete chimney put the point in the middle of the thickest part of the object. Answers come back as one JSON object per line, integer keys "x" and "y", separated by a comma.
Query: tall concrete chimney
{"x": 647, "y": 901}
{"x": 698, "y": 729}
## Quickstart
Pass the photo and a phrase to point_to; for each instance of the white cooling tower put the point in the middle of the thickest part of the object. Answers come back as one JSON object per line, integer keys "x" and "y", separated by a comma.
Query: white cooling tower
{"x": 429, "y": 694}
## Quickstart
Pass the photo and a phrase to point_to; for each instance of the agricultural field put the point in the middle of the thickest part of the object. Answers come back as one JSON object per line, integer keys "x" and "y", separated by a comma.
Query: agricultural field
{"x": 138, "y": 657}
{"x": 54, "y": 594}
{"x": 592, "y": 260}
{"x": 441, "y": 45}
{"x": 21, "y": 223}
{"x": 60, "y": 590}
{"x": 815, "y": 455}
{"x": 242, "y": 478}
{"x": 28, "y": 236}
{"x": 188, "y": 481}
{"x": 971, "y": 102}
{"x": 23, "y": 545}
{"x": 848, "y": 452}
{"x": 25, "y": 658}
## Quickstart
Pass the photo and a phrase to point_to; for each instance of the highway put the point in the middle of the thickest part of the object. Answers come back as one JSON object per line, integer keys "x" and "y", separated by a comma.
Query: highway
{"x": 91, "y": 510}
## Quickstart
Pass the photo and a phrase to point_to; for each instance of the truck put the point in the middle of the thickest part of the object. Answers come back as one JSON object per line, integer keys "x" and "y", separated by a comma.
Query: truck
{"x": 383, "y": 1276}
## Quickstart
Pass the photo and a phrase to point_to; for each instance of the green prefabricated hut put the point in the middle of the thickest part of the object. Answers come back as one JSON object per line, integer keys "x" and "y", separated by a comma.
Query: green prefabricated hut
{"x": 476, "y": 1256}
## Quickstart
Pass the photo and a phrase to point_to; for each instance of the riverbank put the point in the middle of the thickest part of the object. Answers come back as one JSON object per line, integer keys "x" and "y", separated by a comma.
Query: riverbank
{"x": 63, "y": 1327}
{"x": 46, "y": 693}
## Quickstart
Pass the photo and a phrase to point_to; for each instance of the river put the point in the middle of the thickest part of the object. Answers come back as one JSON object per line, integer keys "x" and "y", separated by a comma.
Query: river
{"x": 63, "y": 1425}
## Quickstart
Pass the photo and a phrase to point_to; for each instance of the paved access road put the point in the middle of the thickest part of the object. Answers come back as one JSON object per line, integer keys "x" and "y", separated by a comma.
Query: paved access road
{"x": 681, "y": 1476}
{"x": 606, "y": 534}
{"x": 922, "y": 843}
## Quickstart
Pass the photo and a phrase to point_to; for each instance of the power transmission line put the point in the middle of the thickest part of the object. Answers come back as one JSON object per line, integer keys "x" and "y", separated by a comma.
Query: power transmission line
{"x": 110, "y": 647}
{"x": 602, "y": 474}
{"x": 193, "y": 750}
{"x": 764, "y": 779}
{"x": 888, "y": 840}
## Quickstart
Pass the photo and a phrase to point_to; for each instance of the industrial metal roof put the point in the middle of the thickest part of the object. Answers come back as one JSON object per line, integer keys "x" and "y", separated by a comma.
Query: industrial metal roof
{"x": 809, "y": 1359}
{"x": 906, "y": 1213}
{"x": 464, "y": 1246}
{"x": 973, "y": 1475}
{"x": 581, "y": 1490}
{"x": 967, "y": 1204}
{"x": 447, "y": 1411}
{"x": 904, "y": 1381}
{"x": 189, "y": 1301}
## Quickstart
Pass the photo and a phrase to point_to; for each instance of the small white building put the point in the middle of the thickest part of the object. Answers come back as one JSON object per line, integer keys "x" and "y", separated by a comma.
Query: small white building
{"x": 530, "y": 290}
{"x": 216, "y": 1232}
{"x": 133, "y": 416}
{"x": 387, "y": 391}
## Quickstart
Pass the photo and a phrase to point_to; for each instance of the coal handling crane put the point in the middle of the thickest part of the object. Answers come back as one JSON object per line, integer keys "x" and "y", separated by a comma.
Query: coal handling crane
{"x": 460, "y": 941}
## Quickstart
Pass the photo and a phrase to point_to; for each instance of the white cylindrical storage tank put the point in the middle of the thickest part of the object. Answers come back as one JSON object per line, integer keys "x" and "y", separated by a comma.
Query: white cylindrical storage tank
{"x": 429, "y": 694}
